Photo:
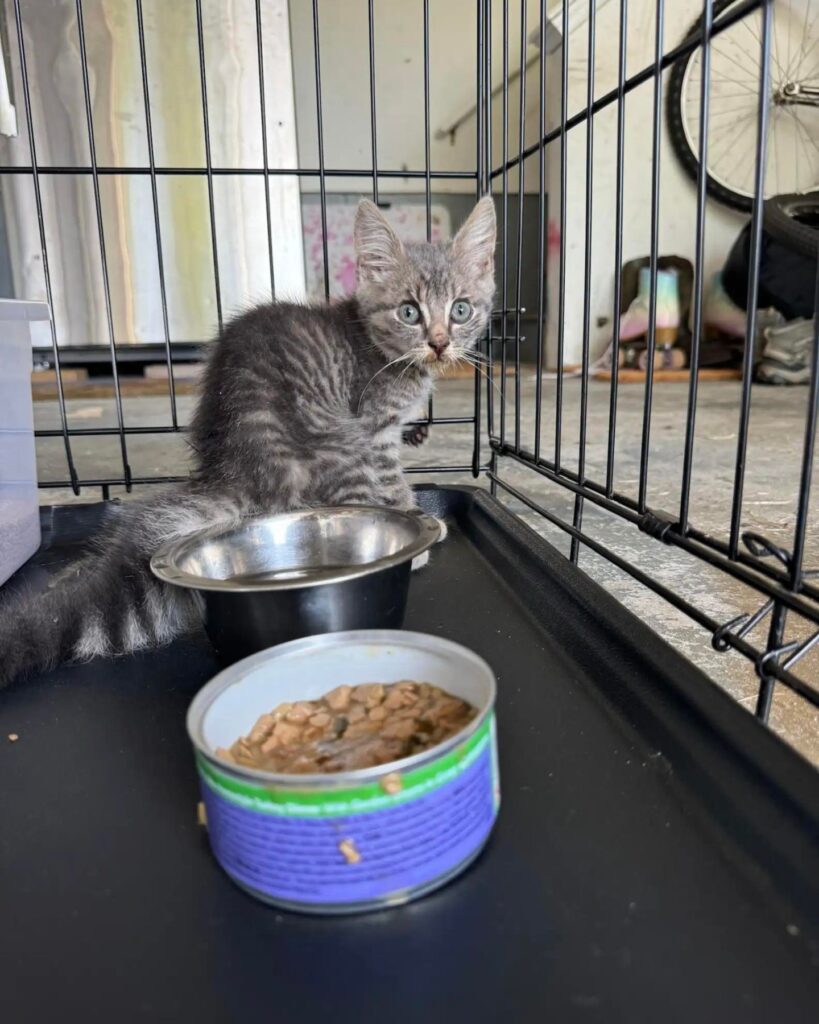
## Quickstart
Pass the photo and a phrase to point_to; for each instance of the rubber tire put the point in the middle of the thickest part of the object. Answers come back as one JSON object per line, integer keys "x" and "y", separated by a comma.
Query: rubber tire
{"x": 674, "y": 119}
{"x": 781, "y": 221}
{"x": 787, "y": 276}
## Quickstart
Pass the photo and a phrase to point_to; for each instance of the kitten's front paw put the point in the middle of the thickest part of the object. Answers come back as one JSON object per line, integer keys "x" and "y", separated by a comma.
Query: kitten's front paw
{"x": 416, "y": 435}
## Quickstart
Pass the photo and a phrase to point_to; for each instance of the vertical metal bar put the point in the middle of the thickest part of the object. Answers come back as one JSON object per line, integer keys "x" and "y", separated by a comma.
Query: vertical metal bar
{"x": 618, "y": 249}
{"x": 699, "y": 267}
{"x": 163, "y": 294}
{"x": 521, "y": 180}
{"x": 265, "y": 164}
{"x": 564, "y": 177}
{"x": 577, "y": 519}
{"x": 490, "y": 381}
{"x": 373, "y": 119}
{"x": 779, "y": 619}
{"x": 490, "y": 390}
{"x": 126, "y": 469}
{"x": 655, "y": 237}
{"x": 541, "y": 233}
{"x": 200, "y": 36}
{"x": 753, "y": 281}
{"x": 427, "y": 178}
{"x": 808, "y": 450}
{"x": 38, "y": 201}
{"x": 320, "y": 134}
{"x": 505, "y": 207}
{"x": 767, "y": 683}
{"x": 481, "y": 178}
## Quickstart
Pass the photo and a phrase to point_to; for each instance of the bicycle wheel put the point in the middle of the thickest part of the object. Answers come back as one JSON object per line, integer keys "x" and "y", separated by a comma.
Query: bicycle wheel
{"x": 793, "y": 136}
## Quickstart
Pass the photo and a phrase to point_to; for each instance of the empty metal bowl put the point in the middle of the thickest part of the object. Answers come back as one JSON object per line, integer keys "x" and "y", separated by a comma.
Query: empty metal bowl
{"x": 280, "y": 577}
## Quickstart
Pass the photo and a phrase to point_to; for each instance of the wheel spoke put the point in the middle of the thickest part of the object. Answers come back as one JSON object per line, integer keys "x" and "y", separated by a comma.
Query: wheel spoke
{"x": 731, "y": 136}
{"x": 727, "y": 56}
{"x": 793, "y": 72}
{"x": 803, "y": 130}
{"x": 758, "y": 40}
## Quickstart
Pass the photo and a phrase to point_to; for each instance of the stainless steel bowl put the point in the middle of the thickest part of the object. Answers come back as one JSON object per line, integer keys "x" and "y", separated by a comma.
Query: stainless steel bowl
{"x": 280, "y": 577}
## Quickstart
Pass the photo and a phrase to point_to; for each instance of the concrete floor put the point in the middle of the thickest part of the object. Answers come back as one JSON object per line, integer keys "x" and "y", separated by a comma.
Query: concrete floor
{"x": 773, "y": 466}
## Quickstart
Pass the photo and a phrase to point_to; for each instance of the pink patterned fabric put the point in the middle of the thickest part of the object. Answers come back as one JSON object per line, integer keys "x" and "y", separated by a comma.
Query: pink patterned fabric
{"x": 409, "y": 222}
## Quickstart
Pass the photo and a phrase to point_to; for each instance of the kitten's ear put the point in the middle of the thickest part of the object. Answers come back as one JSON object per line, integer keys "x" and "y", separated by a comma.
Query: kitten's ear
{"x": 379, "y": 251}
{"x": 474, "y": 245}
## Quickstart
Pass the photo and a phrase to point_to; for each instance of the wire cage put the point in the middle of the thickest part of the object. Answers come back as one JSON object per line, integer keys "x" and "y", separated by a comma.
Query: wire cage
{"x": 521, "y": 430}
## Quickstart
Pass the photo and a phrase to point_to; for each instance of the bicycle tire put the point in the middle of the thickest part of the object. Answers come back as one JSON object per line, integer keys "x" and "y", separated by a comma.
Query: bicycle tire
{"x": 676, "y": 129}
{"x": 780, "y": 220}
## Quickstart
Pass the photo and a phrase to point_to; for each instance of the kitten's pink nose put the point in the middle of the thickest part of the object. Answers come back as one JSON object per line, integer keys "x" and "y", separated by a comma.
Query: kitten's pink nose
{"x": 438, "y": 340}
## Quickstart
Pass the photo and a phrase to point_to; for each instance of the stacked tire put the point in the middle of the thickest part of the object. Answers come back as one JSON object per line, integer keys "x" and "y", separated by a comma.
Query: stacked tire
{"x": 788, "y": 257}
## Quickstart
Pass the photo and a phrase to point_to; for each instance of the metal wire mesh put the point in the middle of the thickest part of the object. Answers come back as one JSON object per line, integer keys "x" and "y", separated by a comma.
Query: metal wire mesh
{"x": 776, "y": 575}
{"x": 120, "y": 348}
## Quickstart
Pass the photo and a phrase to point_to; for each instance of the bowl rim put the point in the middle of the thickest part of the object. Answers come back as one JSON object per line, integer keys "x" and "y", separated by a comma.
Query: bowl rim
{"x": 234, "y": 674}
{"x": 163, "y": 561}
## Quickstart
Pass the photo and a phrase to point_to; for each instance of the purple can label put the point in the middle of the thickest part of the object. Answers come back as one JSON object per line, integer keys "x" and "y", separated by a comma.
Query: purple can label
{"x": 356, "y": 845}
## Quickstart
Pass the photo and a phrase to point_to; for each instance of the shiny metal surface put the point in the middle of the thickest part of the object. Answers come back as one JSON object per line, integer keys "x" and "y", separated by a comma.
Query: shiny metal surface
{"x": 296, "y": 549}
{"x": 277, "y": 578}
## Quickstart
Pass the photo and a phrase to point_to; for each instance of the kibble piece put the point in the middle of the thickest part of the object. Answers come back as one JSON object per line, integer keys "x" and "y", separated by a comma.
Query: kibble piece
{"x": 401, "y": 729}
{"x": 392, "y": 783}
{"x": 321, "y": 720}
{"x": 349, "y": 851}
{"x": 13, "y": 737}
{"x": 339, "y": 699}
{"x": 369, "y": 694}
{"x": 262, "y": 728}
{"x": 378, "y": 713}
{"x": 286, "y": 732}
{"x": 300, "y": 711}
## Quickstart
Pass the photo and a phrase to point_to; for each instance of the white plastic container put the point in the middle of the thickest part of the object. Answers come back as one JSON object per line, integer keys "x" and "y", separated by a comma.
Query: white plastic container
{"x": 19, "y": 511}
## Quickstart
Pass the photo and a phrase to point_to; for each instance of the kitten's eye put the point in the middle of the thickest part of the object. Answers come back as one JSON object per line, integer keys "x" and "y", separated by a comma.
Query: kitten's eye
{"x": 409, "y": 313}
{"x": 461, "y": 311}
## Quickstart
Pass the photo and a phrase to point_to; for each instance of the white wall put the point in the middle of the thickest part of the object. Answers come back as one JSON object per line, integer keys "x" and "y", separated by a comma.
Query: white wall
{"x": 399, "y": 70}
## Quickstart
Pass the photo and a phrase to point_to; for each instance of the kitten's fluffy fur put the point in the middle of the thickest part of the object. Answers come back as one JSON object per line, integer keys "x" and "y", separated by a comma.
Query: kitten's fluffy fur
{"x": 301, "y": 406}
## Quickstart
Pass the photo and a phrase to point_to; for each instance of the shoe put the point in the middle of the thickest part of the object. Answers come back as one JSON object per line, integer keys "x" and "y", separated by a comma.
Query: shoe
{"x": 634, "y": 322}
{"x": 786, "y": 354}
{"x": 765, "y": 319}
{"x": 720, "y": 313}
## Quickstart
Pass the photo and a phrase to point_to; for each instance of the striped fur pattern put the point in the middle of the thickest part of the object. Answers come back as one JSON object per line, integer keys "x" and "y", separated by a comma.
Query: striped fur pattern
{"x": 301, "y": 406}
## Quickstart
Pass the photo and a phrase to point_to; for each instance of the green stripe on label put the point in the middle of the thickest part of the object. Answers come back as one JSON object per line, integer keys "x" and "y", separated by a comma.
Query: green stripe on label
{"x": 321, "y": 803}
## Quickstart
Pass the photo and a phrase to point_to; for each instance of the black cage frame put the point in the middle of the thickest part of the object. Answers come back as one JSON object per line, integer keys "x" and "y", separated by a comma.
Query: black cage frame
{"x": 778, "y": 576}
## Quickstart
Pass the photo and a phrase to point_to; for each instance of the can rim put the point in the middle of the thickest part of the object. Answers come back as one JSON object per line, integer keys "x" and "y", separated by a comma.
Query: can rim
{"x": 234, "y": 674}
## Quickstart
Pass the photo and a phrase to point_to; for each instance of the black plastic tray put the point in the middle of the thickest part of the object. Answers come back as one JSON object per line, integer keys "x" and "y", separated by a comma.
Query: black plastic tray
{"x": 656, "y": 856}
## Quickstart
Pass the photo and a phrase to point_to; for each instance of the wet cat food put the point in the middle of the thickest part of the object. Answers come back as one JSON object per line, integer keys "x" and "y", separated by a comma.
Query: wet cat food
{"x": 351, "y": 727}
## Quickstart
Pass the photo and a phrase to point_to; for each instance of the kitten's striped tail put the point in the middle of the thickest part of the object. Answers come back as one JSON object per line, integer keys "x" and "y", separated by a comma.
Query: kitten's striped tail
{"x": 109, "y": 603}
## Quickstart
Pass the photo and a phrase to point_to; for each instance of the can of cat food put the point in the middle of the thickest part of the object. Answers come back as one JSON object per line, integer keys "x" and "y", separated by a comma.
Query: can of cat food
{"x": 351, "y": 841}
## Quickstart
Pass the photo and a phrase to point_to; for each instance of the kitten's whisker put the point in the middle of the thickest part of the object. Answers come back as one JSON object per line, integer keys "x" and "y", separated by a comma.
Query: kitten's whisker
{"x": 386, "y": 366}
{"x": 482, "y": 372}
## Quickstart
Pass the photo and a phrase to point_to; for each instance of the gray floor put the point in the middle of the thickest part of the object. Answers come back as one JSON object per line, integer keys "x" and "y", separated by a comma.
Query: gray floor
{"x": 771, "y": 484}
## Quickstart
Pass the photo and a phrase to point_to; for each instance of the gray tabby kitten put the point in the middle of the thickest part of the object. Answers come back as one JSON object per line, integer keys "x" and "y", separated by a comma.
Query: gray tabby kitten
{"x": 301, "y": 406}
